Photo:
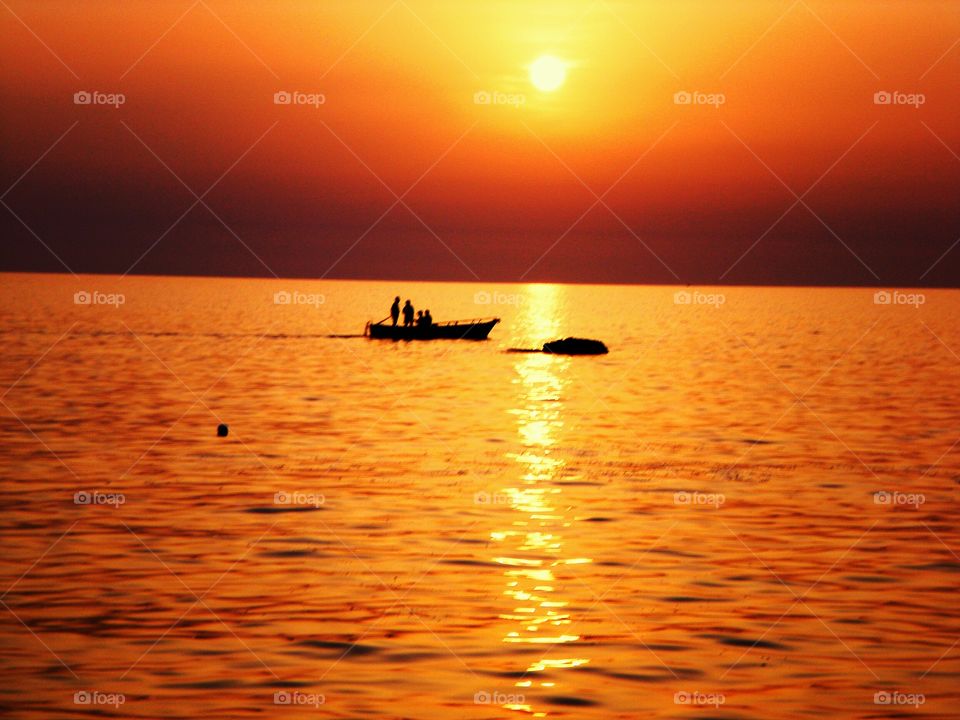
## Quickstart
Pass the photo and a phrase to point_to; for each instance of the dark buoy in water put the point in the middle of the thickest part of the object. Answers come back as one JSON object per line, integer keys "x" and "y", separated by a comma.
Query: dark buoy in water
{"x": 575, "y": 346}
{"x": 222, "y": 430}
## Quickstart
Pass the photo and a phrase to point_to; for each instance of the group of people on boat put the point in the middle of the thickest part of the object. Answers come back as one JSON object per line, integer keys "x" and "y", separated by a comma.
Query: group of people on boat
{"x": 423, "y": 318}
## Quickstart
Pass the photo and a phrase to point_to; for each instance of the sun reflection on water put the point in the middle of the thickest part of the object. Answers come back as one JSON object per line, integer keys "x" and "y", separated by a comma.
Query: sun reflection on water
{"x": 536, "y": 541}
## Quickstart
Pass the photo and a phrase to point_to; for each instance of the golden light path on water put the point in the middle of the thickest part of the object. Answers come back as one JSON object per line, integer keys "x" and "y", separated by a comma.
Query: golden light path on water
{"x": 536, "y": 541}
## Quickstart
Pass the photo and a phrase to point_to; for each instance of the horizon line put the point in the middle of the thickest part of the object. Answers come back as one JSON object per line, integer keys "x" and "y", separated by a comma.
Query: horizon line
{"x": 825, "y": 286}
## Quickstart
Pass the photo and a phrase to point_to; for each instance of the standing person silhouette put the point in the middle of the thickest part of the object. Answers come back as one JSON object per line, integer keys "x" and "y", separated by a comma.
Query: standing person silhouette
{"x": 395, "y": 310}
{"x": 407, "y": 314}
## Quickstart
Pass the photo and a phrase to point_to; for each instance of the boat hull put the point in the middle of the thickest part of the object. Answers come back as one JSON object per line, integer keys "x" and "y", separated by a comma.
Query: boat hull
{"x": 469, "y": 330}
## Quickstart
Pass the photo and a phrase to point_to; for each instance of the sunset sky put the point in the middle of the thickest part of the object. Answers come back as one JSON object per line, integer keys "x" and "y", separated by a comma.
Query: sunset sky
{"x": 798, "y": 177}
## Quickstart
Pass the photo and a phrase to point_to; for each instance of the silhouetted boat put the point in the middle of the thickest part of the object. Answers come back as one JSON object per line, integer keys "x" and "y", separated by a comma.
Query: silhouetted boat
{"x": 452, "y": 330}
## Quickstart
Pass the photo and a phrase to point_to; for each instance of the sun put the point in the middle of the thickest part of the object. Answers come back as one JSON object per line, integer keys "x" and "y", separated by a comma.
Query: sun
{"x": 547, "y": 73}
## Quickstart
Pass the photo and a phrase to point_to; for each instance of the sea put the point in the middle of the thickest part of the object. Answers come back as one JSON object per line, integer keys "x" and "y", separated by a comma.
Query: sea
{"x": 747, "y": 509}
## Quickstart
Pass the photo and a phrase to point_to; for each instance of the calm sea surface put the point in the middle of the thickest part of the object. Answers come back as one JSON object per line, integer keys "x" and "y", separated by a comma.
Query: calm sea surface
{"x": 748, "y": 509}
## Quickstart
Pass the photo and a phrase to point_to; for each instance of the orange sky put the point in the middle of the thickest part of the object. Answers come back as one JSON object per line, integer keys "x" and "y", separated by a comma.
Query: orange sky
{"x": 504, "y": 192}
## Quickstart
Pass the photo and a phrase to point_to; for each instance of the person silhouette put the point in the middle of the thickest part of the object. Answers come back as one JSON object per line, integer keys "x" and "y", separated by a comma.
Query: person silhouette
{"x": 419, "y": 317}
{"x": 427, "y": 319}
{"x": 395, "y": 310}
{"x": 407, "y": 314}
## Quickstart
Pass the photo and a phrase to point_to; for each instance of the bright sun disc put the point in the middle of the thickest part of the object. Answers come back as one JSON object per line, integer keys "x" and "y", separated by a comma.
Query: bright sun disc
{"x": 547, "y": 73}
